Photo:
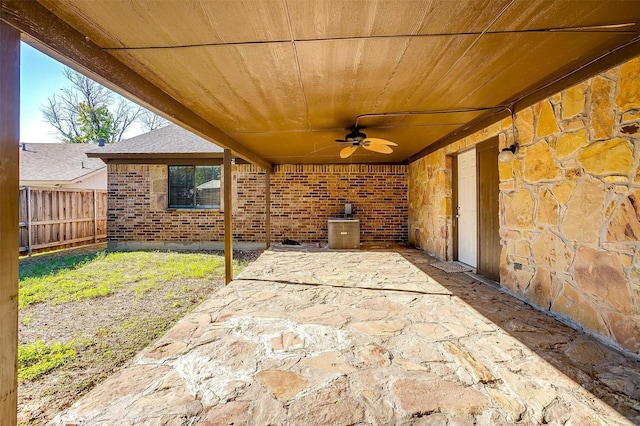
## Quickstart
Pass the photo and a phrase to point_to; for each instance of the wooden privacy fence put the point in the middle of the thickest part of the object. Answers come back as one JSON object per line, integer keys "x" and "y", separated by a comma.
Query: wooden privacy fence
{"x": 54, "y": 218}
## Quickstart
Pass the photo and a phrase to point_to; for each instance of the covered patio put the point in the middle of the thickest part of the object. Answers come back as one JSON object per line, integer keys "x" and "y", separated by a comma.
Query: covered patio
{"x": 310, "y": 336}
{"x": 294, "y": 85}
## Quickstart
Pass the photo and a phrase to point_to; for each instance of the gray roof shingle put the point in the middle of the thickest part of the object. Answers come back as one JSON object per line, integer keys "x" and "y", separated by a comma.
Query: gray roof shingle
{"x": 57, "y": 161}
{"x": 170, "y": 139}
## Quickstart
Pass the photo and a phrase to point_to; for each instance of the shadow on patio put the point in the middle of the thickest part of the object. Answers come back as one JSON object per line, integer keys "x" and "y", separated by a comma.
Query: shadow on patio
{"x": 311, "y": 336}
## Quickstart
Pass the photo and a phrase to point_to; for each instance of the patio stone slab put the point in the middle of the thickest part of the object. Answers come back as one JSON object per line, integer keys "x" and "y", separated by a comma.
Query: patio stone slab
{"x": 306, "y": 336}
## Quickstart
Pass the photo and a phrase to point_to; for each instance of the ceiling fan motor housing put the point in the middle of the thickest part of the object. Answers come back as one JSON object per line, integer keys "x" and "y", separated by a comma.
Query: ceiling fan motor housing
{"x": 355, "y": 135}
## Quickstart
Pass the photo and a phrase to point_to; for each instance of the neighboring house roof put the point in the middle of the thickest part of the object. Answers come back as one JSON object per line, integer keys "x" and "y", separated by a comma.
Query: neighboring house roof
{"x": 57, "y": 163}
{"x": 166, "y": 142}
{"x": 212, "y": 184}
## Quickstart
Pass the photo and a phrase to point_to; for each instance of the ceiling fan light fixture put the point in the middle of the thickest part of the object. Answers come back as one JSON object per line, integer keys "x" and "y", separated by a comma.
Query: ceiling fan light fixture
{"x": 355, "y": 135}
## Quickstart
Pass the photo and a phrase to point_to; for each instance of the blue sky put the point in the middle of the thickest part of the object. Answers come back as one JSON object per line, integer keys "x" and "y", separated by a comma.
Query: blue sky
{"x": 40, "y": 78}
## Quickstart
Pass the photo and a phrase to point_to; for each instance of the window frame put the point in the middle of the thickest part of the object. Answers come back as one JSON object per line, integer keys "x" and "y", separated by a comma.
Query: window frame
{"x": 193, "y": 206}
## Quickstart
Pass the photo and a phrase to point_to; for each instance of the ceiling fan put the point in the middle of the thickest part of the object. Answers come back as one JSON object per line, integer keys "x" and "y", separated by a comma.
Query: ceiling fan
{"x": 356, "y": 139}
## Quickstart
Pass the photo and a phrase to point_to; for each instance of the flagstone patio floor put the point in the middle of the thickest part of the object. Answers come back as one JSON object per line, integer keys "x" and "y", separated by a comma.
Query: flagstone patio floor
{"x": 309, "y": 336}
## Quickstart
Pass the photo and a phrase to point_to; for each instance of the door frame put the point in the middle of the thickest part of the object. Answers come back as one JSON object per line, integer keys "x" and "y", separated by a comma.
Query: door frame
{"x": 489, "y": 143}
{"x": 454, "y": 205}
{"x": 454, "y": 200}
{"x": 489, "y": 248}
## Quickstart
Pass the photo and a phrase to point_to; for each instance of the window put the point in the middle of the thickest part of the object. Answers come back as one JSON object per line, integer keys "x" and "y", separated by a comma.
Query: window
{"x": 194, "y": 187}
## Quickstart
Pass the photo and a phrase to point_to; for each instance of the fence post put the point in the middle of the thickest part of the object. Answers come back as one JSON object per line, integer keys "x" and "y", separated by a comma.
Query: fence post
{"x": 95, "y": 217}
{"x": 29, "y": 241}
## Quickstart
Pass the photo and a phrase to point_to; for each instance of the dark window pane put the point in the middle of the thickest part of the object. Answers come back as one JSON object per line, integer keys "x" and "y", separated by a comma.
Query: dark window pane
{"x": 181, "y": 188}
{"x": 194, "y": 187}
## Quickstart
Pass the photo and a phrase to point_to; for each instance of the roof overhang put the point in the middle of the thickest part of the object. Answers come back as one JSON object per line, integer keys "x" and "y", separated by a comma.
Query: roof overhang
{"x": 45, "y": 183}
{"x": 182, "y": 158}
{"x": 277, "y": 82}
{"x": 62, "y": 182}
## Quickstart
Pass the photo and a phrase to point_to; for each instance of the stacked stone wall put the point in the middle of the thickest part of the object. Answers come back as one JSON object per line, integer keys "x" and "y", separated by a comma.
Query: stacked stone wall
{"x": 569, "y": 204}
{"x": 303, "y": 197}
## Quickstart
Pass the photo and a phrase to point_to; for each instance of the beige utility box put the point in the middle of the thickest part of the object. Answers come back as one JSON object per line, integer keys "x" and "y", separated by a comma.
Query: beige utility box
{"x": 344, "y": 233}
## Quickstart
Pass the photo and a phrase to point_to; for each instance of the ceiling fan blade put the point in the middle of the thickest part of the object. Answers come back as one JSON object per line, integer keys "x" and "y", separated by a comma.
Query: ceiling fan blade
{"x": 347, "y": 151}
{"x": 382, "y": 149}
{"x": 342, "y": 140}
{"x": 378, "y": 141}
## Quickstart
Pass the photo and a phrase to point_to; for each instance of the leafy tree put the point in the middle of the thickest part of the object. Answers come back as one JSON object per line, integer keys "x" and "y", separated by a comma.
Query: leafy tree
{"x": 95, "y": 123}
{"x": 87, "y": 111}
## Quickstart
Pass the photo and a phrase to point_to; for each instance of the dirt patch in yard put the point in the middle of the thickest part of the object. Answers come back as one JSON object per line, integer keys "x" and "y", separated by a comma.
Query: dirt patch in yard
{"x": 107, "y": 332}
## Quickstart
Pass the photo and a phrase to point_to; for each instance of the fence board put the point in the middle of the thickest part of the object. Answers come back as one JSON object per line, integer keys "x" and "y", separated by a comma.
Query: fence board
{"x": 54, "y": 218}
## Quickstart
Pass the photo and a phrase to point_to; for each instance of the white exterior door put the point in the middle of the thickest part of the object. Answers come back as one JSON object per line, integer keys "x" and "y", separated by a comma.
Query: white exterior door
{"x": 467, "y": 209}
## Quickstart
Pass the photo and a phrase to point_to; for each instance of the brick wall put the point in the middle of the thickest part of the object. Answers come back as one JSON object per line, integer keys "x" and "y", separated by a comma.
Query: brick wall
{"x": 137, "y": 209}
{"x": 303, "y": 197}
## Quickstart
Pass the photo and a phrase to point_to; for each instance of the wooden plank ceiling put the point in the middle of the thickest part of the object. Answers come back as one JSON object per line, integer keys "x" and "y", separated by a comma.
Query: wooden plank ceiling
{"x": 285, "y": 78}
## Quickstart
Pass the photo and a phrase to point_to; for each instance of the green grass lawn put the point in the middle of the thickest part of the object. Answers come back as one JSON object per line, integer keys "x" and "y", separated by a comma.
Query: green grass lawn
{"x": 83, "y": 315}
{"x": 79, "y": 277}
